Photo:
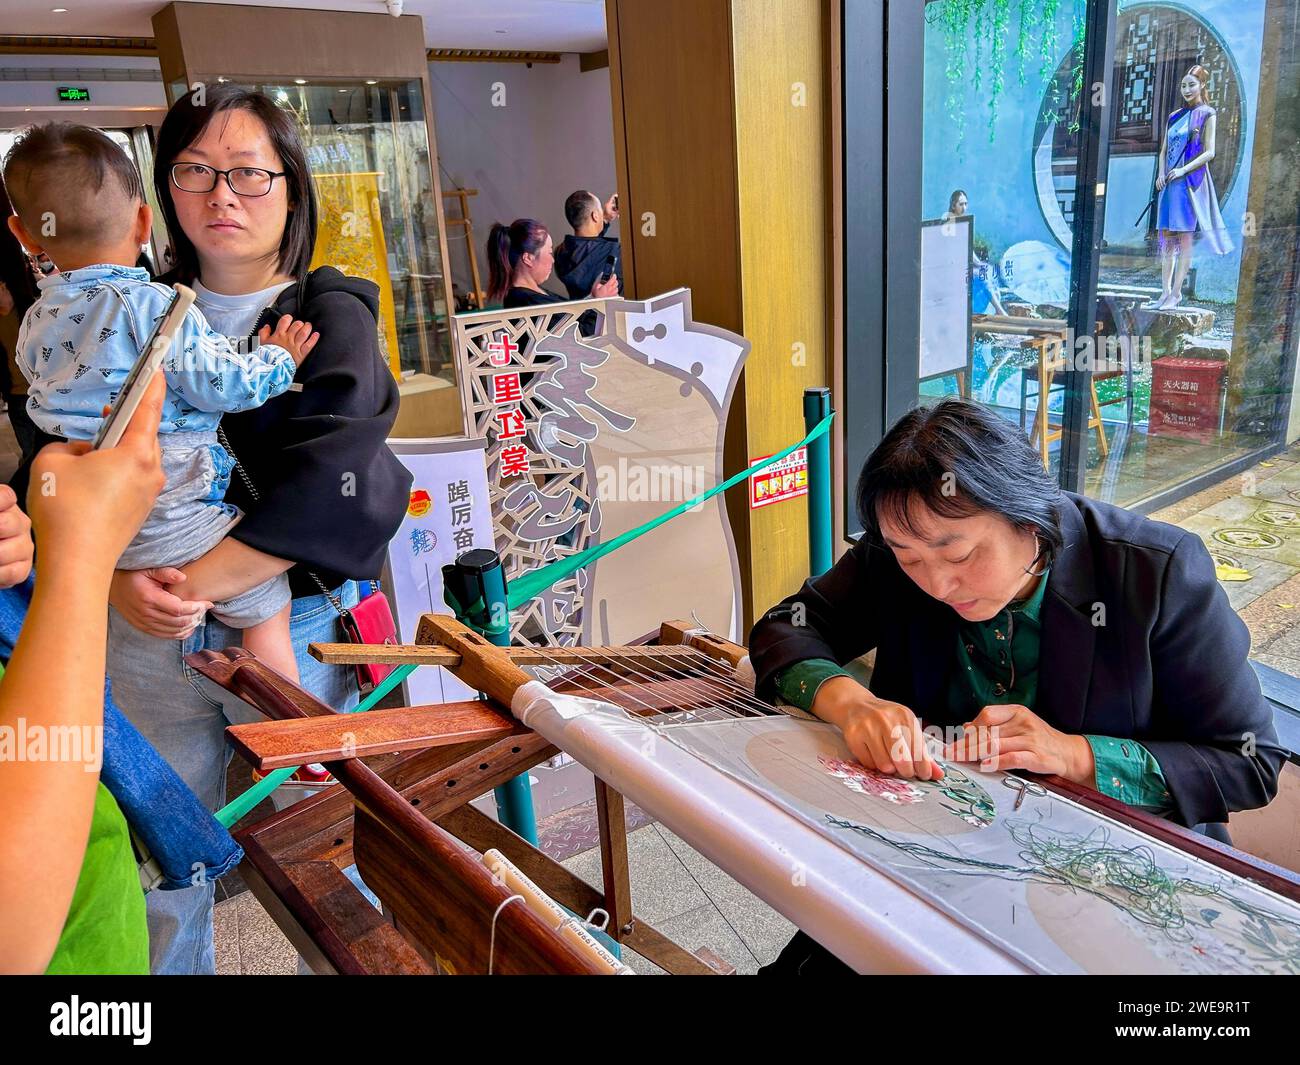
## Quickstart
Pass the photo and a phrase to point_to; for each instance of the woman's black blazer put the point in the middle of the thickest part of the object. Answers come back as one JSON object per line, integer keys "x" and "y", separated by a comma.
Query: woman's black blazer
{"x": 1138, "y": 641}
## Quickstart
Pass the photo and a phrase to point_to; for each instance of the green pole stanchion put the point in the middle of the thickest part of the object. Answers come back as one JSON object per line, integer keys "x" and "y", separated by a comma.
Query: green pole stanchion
{"x": 816, "y": 408}
{"x": 475, "y": 586}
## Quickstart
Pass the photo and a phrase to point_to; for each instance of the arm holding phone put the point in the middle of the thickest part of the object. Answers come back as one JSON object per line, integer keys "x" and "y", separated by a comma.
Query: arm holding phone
{"x": 49, "y": 804}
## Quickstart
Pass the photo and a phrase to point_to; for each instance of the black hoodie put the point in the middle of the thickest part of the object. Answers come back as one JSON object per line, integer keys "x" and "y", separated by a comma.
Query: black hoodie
{"x": 331, "y": 493}
{"x": 579, "y": 262}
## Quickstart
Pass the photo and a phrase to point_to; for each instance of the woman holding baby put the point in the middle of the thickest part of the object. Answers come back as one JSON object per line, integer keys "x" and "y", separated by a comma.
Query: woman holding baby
{"x": 319, "y": 491}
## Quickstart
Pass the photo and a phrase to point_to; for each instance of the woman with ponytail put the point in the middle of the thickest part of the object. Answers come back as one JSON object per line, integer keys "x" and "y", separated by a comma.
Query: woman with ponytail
{"x": 520, "y": 259}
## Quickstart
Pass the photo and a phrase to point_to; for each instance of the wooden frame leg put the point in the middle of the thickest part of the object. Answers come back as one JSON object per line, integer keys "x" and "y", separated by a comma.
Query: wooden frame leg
{"x": 1040, "y": 422}
{"x": 1096, "y": 413}
{"x": 613, "y": 859}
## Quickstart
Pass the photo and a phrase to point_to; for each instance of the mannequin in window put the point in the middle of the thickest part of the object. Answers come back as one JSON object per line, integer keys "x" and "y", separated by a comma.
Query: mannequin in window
{"x": 1188, "y": 203}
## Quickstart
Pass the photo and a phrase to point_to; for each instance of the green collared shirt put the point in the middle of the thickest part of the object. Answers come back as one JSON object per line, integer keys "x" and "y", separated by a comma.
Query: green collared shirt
{"x": 998, "y": 663}
{"x": 997, "y": 660}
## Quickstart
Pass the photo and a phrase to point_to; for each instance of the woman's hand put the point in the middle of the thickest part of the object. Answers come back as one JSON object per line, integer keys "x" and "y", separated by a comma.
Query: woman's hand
{"x": 605, "y": 289}
{"x": 15, "y": 540}
{"x": 86, "y": 505}
{"x": 882, "y": 735}
{"x": 142, "y": 597}
{"x": 1011, "y": 736}
{"x": 1161, "y": 181}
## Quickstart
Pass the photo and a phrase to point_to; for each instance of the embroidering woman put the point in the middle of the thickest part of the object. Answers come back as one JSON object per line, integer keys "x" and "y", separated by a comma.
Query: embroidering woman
{"x": 1083, "y": 640}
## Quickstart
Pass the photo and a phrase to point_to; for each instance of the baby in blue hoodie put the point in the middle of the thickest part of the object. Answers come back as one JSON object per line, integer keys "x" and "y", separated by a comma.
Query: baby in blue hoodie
{"x": 80, "y": 200}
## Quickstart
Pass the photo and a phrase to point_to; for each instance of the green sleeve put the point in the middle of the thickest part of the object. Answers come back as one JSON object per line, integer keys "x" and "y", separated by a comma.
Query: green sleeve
{"x": 1129, "y": 772}
{"x": 798, "y": 685}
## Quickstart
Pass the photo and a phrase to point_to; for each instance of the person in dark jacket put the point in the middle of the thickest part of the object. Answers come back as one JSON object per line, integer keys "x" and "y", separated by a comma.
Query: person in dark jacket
{"x": 321, "y": 491}
{"x": 1062, "y": 635}
{"x": 589, "y": 253}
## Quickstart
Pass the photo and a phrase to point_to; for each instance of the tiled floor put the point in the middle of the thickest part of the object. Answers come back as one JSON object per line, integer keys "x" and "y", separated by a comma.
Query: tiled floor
{"x": 674, "y": 888}
{"x": 1252, "y": 522}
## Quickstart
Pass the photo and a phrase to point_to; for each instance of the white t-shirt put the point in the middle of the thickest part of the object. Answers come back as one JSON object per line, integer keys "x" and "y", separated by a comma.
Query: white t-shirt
{"x": 234, "y": 315}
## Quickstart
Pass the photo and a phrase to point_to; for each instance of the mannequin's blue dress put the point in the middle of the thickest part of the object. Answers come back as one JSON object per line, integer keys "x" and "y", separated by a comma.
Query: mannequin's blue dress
{"x": 1189, "y": 204}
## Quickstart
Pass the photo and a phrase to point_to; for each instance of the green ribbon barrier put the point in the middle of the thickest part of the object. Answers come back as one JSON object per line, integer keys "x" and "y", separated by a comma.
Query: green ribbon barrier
{"x": 537, "y": 581}
{"x": 523, "y": 589}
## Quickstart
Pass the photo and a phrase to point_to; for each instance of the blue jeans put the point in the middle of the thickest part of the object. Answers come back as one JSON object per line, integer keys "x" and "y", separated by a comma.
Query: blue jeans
{"x": 184, "y": 716}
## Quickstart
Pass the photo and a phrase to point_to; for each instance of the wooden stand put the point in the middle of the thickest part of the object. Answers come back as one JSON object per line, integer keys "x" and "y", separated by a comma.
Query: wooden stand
{"x": 1047, "y": 339}
{"x": 462, "y": 196}
{"x": 402, "y": 815}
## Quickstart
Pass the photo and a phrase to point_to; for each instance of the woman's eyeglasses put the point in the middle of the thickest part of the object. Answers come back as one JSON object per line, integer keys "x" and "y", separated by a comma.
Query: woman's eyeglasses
{"x": 243, "y": 181}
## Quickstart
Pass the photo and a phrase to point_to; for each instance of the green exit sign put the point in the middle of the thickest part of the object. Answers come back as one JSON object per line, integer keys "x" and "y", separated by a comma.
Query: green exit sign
{"x": 73, "y": 92}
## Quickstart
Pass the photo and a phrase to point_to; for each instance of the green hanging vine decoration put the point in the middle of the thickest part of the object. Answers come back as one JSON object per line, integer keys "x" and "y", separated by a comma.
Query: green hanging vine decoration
{"x": 1000, "y": 17}
{"x": 1029, "y": 20}
{"x": 1076, "y": 79}
{"x": 972, "y": 27}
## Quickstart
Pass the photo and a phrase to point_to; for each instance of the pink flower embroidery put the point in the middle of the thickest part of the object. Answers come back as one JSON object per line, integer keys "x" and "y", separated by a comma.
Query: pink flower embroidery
{"x": 867, "y": 782}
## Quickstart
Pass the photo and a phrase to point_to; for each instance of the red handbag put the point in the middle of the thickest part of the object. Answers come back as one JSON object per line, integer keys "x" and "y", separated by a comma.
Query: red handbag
{"x": 370, "y": 621}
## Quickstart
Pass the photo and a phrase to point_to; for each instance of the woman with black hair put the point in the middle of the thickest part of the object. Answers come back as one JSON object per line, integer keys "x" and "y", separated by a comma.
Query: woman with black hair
{"x": 1063, "y": 635}
{"x": 521, "y": 258}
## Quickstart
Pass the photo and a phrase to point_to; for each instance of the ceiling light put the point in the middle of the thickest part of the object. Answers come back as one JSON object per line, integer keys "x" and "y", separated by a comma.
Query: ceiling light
{"x": 59, "y": 10}
{"x": 300, "y": 81}
{"x": 371, "y": 81}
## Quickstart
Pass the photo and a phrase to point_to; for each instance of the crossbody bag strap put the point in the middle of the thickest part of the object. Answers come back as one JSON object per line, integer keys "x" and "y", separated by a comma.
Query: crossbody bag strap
{"x": 224, "y": 441}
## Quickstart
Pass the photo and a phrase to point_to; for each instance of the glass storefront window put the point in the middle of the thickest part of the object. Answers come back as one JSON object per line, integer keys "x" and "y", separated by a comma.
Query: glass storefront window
{"x": 1199, "y": 253}
{"x": 369, "y": 153}
{"x": 1190, "y": 371}
{"x": 995, "y": 278}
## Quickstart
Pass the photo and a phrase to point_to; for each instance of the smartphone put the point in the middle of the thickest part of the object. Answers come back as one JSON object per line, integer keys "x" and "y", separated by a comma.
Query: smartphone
{"x": 611, "y": 262}
{"x": 151, "y": 358}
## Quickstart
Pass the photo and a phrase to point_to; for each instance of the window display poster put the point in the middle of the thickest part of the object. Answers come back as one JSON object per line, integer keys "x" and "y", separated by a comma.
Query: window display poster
{"x": 448, "y": 514}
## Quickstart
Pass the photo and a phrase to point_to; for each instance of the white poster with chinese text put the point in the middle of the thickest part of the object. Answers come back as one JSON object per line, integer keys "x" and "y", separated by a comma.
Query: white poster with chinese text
{"x": 448, "y": 514}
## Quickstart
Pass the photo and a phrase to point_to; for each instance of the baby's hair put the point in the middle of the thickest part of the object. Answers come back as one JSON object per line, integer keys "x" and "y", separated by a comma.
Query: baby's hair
{"x": 77, "y": 179}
